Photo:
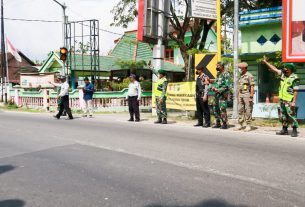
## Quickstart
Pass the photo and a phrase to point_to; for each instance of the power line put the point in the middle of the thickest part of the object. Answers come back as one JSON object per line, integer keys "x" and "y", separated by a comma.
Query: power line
{"x": 32, "y": 20}
{"x": 55, "y": 21}
{"x": 103, "y": 30}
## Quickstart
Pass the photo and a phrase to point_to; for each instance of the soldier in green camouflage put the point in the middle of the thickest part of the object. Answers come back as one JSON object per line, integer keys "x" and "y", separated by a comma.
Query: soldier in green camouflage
{"x": 221, "y": 88}
{"x": 160, "y": 94}
{"x": 288, "y": 94}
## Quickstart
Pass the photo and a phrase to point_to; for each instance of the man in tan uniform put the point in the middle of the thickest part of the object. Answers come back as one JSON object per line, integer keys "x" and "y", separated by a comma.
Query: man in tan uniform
{"x": 245, "y": 93}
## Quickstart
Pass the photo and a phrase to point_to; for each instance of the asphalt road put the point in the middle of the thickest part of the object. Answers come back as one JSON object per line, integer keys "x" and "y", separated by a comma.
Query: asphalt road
{"x": 109, "y": 162}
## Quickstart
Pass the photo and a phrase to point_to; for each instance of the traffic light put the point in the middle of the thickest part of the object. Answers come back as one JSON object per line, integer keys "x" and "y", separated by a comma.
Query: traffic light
{"x": 63, "y": 53}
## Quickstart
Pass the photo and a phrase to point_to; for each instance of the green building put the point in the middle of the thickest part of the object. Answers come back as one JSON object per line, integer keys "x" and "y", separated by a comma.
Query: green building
{"x": 261, "y": 34}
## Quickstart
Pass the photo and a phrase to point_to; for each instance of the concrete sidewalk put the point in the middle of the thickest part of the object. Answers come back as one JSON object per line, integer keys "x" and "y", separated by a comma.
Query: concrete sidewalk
{"x": 147, "y": 118}
{"x": 173, "y": 120}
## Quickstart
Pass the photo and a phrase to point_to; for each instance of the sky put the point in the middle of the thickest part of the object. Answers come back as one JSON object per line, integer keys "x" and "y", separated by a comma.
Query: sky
{"x": 36, "y": 39}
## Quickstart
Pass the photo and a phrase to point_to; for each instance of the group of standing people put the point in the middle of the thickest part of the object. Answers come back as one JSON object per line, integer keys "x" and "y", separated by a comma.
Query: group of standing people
{"x": 221, "y": 87}
{"x": 134, "y": 97}
{"x": 63, "y": 98}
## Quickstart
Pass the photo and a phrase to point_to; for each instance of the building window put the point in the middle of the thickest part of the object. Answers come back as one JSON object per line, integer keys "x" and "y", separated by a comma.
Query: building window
{"x": 169, "y": 55}
{"x": 262, "y": 40}
{"x": 275, "y": 39}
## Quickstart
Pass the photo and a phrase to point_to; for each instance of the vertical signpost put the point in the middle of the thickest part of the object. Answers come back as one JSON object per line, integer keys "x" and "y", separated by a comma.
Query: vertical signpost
{"x": 235, "y": 48}
{"x": 293, "y": 31}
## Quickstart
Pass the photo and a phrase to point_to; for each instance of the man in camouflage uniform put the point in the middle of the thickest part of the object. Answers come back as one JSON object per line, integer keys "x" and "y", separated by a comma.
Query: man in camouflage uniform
{"x": 288, "y": 94}
{"x": 221, "y": 88}
{"x": 161, "y": 97}
{"x": 245, "y": 95}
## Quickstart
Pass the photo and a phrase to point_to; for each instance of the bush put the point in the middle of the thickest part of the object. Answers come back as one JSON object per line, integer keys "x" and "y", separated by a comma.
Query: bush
{"x": 146, "y": 85}
{"x": 120, "y": 86}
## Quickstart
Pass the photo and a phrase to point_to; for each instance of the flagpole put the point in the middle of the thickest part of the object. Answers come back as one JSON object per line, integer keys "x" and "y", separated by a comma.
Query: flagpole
{"x": 7, "y": 88}
{"x": 3, "y": 56}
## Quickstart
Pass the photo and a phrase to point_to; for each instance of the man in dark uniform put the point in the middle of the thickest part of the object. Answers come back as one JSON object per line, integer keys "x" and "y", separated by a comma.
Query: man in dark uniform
{"x": 202, "y": 84}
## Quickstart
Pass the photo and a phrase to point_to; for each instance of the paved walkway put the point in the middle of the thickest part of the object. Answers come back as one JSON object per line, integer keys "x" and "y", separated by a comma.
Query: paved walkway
{"x": 147, "y": 118}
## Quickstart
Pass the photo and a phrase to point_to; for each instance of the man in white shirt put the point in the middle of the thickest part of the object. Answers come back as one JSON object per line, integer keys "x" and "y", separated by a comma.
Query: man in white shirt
{"x": 64, "y": 97}
{"x": 134, "y": 97}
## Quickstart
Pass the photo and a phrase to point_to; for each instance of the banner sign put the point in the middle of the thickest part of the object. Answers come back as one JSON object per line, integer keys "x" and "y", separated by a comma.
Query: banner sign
{"x": 180, "y": 96}
{"x": 293, "y": 31}
{"x": 208, "y": 62}
{"x": 204, "y": 9}
{"x": 33, "y": 81}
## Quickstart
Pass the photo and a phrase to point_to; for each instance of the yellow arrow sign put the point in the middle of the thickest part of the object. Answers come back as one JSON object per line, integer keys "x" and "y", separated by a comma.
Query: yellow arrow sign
{"x": 208, "y": 62}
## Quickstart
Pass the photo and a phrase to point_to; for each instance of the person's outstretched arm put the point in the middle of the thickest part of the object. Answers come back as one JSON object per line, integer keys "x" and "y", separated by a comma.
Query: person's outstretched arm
{"x": 271, "y": 67}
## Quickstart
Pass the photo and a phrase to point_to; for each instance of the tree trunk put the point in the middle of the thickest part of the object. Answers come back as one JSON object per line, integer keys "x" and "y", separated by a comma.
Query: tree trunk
{"x": 204, "y": 37}
{"x": 186, "y": 58}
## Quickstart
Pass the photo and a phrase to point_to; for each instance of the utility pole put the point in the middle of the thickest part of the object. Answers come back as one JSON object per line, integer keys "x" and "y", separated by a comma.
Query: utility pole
{"x": 64, "y": 22}
{"x": 158, "y": 51}
{"x": 3, "y": 56}
{"x": 235, "y": 48}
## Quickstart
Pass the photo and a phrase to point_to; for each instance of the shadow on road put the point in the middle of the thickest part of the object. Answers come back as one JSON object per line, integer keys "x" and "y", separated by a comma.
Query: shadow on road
{"x": 6, "y": 168}
{"x": 12, "y": 203}
{"x": 207, "y": 203}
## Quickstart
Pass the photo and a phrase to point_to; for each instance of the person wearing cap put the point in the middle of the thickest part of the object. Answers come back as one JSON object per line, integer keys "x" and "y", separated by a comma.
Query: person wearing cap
{"x": 88, "y": 97}
{"x": 245, "y": 96}
{"x": 288, "y": 94}
{"x": 221, "y": 88}
{"x": 64, "y": 98}
{"x": 160, "y": 95}
{"x": 134, "y": 97}
{"x": 202, "y": 105}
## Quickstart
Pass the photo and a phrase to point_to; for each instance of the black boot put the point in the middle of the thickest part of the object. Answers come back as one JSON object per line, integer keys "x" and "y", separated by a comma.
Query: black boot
{"x": 164, "y": 121}
{"x": 199, "y": 124}
{"x": 217, "y": 125}
{"x": 284, "y": 131}
{"x": 159, "y": 121}
{"x": 224, "y": 126}
{"x": 294, "y": 132}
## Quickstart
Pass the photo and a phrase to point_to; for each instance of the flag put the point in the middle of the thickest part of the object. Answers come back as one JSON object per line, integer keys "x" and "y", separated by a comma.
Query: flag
{"x": 11, "y": 49}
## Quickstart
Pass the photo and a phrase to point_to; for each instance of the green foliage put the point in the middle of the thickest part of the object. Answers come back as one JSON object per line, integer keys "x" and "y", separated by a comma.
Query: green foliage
{"x": 11, "y": 105}
{"x": 194, "y": 51}
{"x": 146, "y": 85}
{"x": 275, "y": 60}
{"x": 131, "y": 65}
{"x": 124, "y": 12}
{"x": 118, "y": 86}
{"x": 229, "y": 62}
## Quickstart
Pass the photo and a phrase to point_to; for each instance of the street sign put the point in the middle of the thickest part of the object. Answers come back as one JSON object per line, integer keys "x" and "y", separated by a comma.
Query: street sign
{"x": 293, "y": 31}
{"x": 204, "y": 9}
{"x": 208, "y": 62}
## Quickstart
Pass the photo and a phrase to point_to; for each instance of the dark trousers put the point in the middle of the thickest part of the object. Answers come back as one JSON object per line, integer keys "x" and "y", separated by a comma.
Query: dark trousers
{"x": 133, "y": 105}
{"x": 64, "y": 106}
{"x": 203, "y": 111}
